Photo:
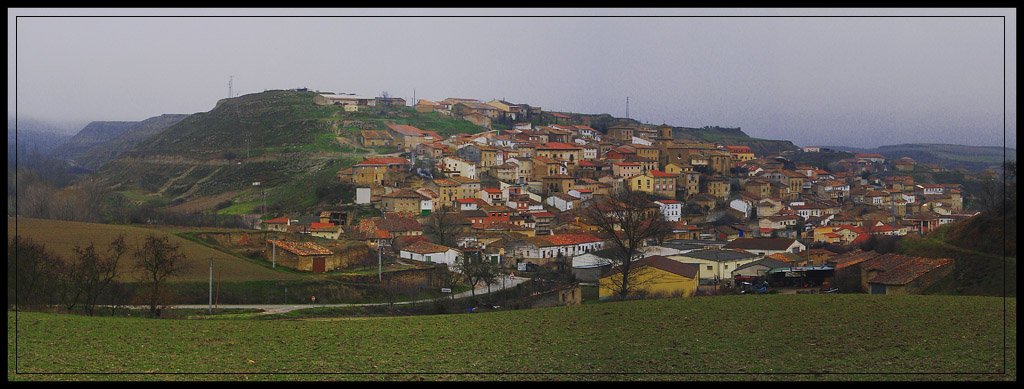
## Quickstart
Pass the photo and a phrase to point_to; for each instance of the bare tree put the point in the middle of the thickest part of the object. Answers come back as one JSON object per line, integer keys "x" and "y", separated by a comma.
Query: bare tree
{"x": 628, "y": 221}
{"x": 443, "y": 227}
{"x": 158, "y": 259}
{"x": 92, "y": 273}
{"x": 32, "y": 273}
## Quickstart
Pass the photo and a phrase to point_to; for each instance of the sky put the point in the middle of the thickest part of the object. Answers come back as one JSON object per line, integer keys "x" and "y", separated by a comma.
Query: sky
{"x": 845, "y": 81}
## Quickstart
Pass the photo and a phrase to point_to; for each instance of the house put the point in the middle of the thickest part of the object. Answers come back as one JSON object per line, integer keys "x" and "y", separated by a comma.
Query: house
{"x": 562, "y": 201}
{"x": 374, "y": 171}
{"x": 626, "y": 169}
{"x": 766, "y": 246}
{"x": 279, "y": 224}
{"x": 540, "y": 249}
{"x": 454, "y": 166}
{"x": 349, "y": 101}
{"x": 325, "y": 230}
{"x": 672, "y": 210}
{"x": 305, "y": 256}
{"x": 740, "y": 153}
{"x": 373, "y": 138}
{"x": 716, "y": 264}
{"x": 654, "y": 276}
{"x": 424, "y": 251}
{"x": 408, "y": 137}
{"x": 406, "y": 200}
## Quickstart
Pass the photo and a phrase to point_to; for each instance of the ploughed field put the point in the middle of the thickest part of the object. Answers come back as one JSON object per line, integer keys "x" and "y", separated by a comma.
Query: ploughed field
{"x": 775, "y": 337}
{"x": 62, "y": 236}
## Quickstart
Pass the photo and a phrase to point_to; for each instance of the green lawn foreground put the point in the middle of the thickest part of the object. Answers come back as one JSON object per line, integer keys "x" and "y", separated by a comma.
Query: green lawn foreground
{"x": 793, "y": 337}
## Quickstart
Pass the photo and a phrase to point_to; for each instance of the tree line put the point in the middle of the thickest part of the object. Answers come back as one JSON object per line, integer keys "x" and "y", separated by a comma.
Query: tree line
{"x": 38, "y": 278}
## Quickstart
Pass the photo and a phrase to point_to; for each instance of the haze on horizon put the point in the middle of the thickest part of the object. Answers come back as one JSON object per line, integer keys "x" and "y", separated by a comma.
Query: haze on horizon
{"x": 860, "y": 82}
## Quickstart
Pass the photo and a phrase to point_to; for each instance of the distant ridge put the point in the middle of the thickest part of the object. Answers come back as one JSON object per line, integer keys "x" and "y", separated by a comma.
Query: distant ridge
{"x": 975, "y": 158}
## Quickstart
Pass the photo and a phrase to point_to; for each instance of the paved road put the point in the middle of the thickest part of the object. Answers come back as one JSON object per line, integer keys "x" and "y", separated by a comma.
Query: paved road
{"x": 269, "y": 309}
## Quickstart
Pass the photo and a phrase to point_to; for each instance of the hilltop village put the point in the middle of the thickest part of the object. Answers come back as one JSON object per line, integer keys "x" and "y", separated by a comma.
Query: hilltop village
{"x": 513, "y": 197}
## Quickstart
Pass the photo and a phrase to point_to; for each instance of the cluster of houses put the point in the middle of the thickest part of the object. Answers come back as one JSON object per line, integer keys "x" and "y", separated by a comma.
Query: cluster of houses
{"x": 735, "y": 213}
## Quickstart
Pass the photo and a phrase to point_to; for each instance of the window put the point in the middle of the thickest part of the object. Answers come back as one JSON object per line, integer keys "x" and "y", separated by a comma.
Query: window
{"x": 709, "y": 267}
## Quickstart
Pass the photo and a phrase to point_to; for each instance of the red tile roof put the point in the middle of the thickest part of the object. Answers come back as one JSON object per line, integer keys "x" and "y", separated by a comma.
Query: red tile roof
{"x": 659, "y": 173}
{"x": 570, "y": 239}
{"x": 278, "y": 220}
{"x": 424, "y": 247}
{"x": 406, "y": 129}
{"x": 384, "y": 161}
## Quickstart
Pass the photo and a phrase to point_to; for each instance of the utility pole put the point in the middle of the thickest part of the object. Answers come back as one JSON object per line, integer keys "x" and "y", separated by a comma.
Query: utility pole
{"x": 380, "y": 266}
{"x": 627, "y": 107}
{"x": 230, "y": 86}
{"x": 273, "y": 255}
{"x": 210, "y": 302}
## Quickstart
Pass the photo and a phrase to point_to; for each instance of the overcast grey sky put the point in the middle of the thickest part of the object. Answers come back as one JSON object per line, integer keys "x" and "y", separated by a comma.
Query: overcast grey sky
{"x": 815, "y": 81}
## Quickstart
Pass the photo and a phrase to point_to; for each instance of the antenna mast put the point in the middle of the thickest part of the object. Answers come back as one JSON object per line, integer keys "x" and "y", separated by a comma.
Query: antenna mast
{"x": 627, "y": 107}
{"x": 230, "y": 81}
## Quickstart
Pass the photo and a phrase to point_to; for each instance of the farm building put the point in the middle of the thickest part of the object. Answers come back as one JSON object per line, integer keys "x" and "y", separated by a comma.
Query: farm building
{"x": 900, "y": 274}
{"x": 428, "y": 252}
{"x": 655, "y": 275}
{"x": 305, "y": 256}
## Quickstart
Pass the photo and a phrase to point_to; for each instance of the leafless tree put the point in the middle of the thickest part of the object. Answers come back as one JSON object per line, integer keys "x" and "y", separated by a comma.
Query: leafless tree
{"x": 628, "y": 220}
{"x": 443, "y": 227}
{"x": 158, "y": 259}
{"x": 92, "y": 273}
{"x": 32, "y": 273}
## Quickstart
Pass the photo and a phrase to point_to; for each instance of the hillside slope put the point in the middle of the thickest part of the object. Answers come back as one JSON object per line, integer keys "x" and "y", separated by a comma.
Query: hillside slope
{"x": 100, "y": 142}
{"x": 983, "y": 265}
{"x": 62, "y": 236}
{"x": 278, "y": 138}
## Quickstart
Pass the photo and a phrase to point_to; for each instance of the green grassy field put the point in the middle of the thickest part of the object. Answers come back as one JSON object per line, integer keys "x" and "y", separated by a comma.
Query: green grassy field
{"x": 61, "y": 237}
{"x": 776, "y": 337}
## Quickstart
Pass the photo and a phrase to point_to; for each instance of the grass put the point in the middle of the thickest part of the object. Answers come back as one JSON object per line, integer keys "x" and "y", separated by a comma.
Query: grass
{"x": 62, "y": 236}
{"x": 241, "y": 208}
{"x": 777, "y": 337}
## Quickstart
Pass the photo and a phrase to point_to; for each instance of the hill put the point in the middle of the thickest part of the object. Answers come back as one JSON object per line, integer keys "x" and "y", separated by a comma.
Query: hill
{"x": 278, "y": 138}
{"x": 62, "y": 236}
{"x": 982, "y": 264}
{"x": 100, "y": 142}
{"x": 974, "y": 158}
{"x": 711, "y": 134}
{"x": 769, "y": 337}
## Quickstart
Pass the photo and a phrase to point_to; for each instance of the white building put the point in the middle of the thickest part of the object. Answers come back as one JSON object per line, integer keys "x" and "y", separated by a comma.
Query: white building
{"x": 459, "y": 167}
{"x": 424, "y": 251}
{"x": 671, "y": 209}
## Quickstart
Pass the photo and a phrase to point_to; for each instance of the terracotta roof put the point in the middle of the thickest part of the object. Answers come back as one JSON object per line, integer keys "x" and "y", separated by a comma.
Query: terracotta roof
{"x": 383, "y": 161}
{"x": 277, "y": 220}
{"x": 852, "y": 258}
{"x": 405, "y": 129}
{"x": 566, "y": 239}
{"x": 315, "y": 226}
{"x": 301, "y": 248}
{"x": 658, "y": 173}
{"x": 425, "y": 247}
{"x": 558, "y": 146}
{"x": 901, "y": 270}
